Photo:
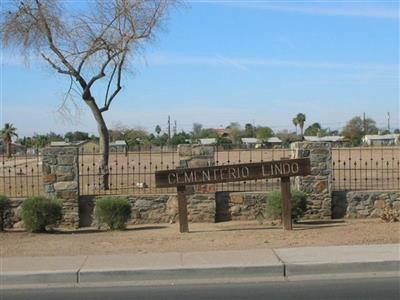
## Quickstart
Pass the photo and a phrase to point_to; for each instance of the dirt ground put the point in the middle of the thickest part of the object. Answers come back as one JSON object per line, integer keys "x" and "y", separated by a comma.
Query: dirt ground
{"x": 233, "y": 235}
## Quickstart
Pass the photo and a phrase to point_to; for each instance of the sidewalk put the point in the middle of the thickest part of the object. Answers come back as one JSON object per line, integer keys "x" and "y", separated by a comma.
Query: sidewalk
{"x": 173, "y": 267}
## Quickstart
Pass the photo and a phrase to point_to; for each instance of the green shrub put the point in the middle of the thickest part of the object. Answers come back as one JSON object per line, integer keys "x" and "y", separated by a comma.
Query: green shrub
{"x": 113, "y": 212}
{"x": 4, "y": 208}
{"x": 274, "y": 204}
{"x": 39, "y": 212}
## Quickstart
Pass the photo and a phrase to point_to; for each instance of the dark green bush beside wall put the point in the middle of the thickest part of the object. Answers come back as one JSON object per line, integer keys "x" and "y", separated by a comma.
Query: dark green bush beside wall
{"x": 113, "y": 212}
{"x": 38, "y": 213}
{"x": 274, "y": 204}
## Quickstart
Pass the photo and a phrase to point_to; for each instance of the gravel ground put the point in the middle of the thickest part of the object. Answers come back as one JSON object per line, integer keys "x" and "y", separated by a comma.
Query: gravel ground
{"x": 233, "y": 235}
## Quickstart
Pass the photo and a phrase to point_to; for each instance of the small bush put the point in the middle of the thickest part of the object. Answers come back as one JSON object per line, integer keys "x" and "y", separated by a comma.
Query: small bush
{"x": 113, "y": 212}
{"x": 4, "y": 208}
{"x": 39, "y": 212}
{"x": 390, "y": 214}
{"x": 274, "y": 204}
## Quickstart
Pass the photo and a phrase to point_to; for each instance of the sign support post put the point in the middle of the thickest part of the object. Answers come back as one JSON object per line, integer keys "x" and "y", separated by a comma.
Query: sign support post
{"x": 286, "y": 204}
{"x": 182, "y": 209}
{"x": 284, "y": 169}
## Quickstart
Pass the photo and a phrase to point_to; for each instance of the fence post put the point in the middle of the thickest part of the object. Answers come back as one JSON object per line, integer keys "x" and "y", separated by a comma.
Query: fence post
{"x": 60, "y": 170}
{"x": 319, "y": 184}
{"x": 197, "y": 156}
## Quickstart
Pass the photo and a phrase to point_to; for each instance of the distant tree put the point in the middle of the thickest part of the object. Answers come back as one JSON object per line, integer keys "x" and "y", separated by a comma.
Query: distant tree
{"x": 222, "y": 140}
{"x": 249, "y": 130}
{"x": 235, "y": 132}
{"x": 197, "y": 128}
{"x": 7, "y": 133}
{"x": 54, "y": 137}
{"x": 313, "y": 130}
{"x": 88, "y": 44}
{"x": 76, "y": 136}
{"x": 40, "y": 140}
{"x": 301, "y": 119}
{"x": 208, "y": 133}
{"x": 356, "y": 128}
{"x": 295, "y": 123}
{"x": 287, "y": 137}
{"x": 180, "y": 138}
{"x": 264, "y": 133}
{"x": 396, "y": 131}
{"x": 331, "y": 132}
{"x": 161, "y": 140}
{"x": 158, "y": 129}
{"x": 385, "y": 131}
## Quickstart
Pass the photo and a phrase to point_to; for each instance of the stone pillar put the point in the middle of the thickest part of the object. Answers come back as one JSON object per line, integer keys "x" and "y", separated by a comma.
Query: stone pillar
{"x": 319, "y": 184}
{"x": 61, "y": 180}
{"x": 197, "y": 156}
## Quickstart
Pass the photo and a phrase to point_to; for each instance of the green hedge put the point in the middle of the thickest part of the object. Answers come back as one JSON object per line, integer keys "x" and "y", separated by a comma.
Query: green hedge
{"x": 113, "y": 212}
{"x": 274, "y": 204}
{"x": 38, "y": 213}
{"x": 4, "y": 208}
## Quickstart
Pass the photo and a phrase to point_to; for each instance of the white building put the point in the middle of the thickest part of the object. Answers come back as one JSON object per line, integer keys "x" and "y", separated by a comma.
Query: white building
{"x": 208, "y": 141}
{"x": 381, "y": 140}
{"x": 67, "y": 144}
{"x": 119, "y": 145}
{"x": 274, "y": 142}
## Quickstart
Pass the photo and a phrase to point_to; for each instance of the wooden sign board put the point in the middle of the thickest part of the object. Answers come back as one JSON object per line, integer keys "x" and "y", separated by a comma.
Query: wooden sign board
{"x": 284, "y": 169}
{"x": 231, "y": 173}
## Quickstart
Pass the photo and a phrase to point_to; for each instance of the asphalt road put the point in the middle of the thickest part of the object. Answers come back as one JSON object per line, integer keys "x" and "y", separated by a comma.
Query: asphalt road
{"x": 383, "y": 288}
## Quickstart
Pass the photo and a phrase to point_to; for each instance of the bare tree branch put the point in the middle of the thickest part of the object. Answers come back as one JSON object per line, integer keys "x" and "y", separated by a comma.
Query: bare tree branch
{"x": 92, "y": 46}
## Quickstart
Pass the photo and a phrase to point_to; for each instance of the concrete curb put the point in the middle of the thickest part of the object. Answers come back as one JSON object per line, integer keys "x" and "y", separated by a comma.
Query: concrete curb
{"x": 372, "y": 268}
{"x": 43, "y": 277}
{"x": 271, "y": 272}
{"x": 265, "y": 273}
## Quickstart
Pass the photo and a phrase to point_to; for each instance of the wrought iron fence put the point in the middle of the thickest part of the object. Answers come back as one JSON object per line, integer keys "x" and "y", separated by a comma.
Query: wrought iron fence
{"x": 242, "y": 154}
{"x": 366, "y": 168}
{"x": 131, "y": 171}
{"x": 21, "y": 175}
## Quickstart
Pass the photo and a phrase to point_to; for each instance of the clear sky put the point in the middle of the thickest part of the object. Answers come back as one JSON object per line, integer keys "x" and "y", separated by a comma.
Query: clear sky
{"x": 256, "y": 62}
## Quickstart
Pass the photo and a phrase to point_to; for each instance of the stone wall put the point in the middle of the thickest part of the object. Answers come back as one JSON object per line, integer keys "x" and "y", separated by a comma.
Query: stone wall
{"x": 369, "y": 204}
{"x": 197, "y": 156}
{"x": 240, "y": 206}
{"x": 61, "y": 180}
{"x": 318, "y": 184}
{"x": 156, "y": 208}
{"x": 13, "y": 215}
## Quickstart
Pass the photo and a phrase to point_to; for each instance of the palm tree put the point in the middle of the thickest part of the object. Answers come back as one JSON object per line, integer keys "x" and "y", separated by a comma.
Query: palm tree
{"x": 295, "y": 122}
{"x": 7, "y": 133}
{"x": 301, "y": 119}
{"x": 158, "y": 130}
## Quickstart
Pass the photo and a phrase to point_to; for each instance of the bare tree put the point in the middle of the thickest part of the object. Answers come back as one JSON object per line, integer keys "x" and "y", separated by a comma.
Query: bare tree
{"x": 92, "y": 43}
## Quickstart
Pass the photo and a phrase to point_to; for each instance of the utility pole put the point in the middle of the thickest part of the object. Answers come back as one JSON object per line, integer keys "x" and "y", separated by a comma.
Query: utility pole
{"x": 169, "y": 129}
{"x": 364, "y": 124}
{"x": 388, "y": 118}
{"x": 175, "y": 128}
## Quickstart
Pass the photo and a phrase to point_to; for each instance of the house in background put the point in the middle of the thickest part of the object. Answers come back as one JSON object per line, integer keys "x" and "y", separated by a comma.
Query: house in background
{"x": 118, "y": 146}
{"x": 381, "y": 140}
{"x": 252, "y": 142}
{"x": 335, "y": 140}
{"x": 208, "y": 141}
{"x": 68, "y": 144}
{"x": 16, "y": 148}
{"x": 273, "y": 142}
